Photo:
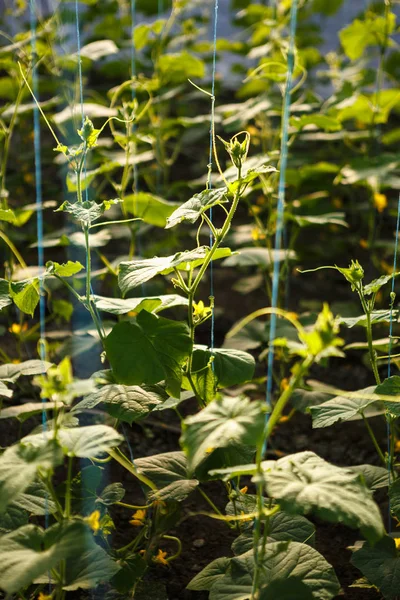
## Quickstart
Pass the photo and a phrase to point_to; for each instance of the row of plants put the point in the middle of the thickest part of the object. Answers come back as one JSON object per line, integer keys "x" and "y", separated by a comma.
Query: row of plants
{"x": 138, "y": 179}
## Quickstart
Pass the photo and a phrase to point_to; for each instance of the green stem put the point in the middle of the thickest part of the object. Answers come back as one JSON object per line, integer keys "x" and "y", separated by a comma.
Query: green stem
{"x": 13, "y": 249}
{"x": 179, "y": 543}
{"x": 211, "y": 503}
{"x": 67, "y": 510}
{"x": 126, "y": 463}
{"x": 374, "y": 440}
{"x": 133, "y": 544}
{"x": 372, "y": 353}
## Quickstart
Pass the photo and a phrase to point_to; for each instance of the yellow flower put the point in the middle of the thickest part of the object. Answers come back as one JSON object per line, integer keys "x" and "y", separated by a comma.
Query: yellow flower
{"x": 209, "y": 450}
{"x": 244, "y": 490}
{"x": 397, "y": 446}
{"x": 138, "y": 518}
{"x": 161, "y": 557}
{"x": 380, "y": 202}
{"x": 17, "y": 328}
{"x": 200, "y": 311}
{"x": 256, "y": 234}
{"x": 364, "y": 244}
{"x": 397, "y": 542}
{"x": 284, "y": 384}
{"x": 284, "y": 419}
{"x": 44, "y": 596}
{"x": 93, "y": 520}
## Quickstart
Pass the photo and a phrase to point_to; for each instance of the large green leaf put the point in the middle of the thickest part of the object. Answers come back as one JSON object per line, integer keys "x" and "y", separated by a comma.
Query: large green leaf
{"x": 11, "y": 371}
{"x": 380, "y": 564}
{"x": 12, "y": 519}
{"x": 5, "y": 299}
{"x": 320, "y": 121}
{"x": 153, "y": 304}
{"x": 230, "y": 367}
{"x": 89, "y": 569}
{"x": 179, "y": 67}
{"x": 151, "y": 209}
{"x": 40, "y": 551}
{"x": 303, "y": 400}
{"x": 376, "y": 284}
{"x": 26, "y": 297}
{"x": 24, "y": 411}
{"x": 342, "y": 408}
{"x": 221, "y": 423}
{"x": 372, "y": 31}
{"x": 390, "y": 387}
{"x": 169, "y": 473}
{"x": 375, "y": 477}
{"x": 284, "y": 562}
{"x": 136, "y": 272}
{"x": 19, "y": 465}
{"x": 34, "y": 499}
{"x": 149, "y": 350}
{"x": 194, "y": 207}
{"x": 304, "y": 483}
{"x": 377, "y": 316}
{"x": 126, "y": 403}
{"x": 281, "y": 528}
{"x": 64, "y": 270}
{"x": 83, "y": 442}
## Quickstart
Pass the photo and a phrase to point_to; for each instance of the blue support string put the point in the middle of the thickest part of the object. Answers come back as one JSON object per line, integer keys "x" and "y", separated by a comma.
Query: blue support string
{"x": 281, "y": 200}
{"x": 210, "y": 164}
{"x": 392, "y": 296}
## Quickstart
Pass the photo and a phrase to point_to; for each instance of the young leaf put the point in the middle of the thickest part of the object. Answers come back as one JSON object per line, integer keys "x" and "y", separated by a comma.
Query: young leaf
{"x": 111, "y": 494}
{"x": 27, "y": 297}
{"x": 376, "y": 284}
{"x": 319, "y": 121}
{"x": 126, "y": 403}
{"x": 304, "y": 483}
{"x": 24, "y": 411}
{"x": 192, "y": 209}
{"x": 230, "y": 367}
{"x": 380, "y": 565}
{"x": 149, "y": 350}
{"x": 64, "y": 270}
{"x": 87, "y": 212}
{"x": 221, "y": 423}
{"x": 135, "y": 273}
{"x": 357, "y": 36}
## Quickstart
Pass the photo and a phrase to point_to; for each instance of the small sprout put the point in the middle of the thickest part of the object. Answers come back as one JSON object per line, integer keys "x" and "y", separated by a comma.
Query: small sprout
{"x": 161, "y": 557}
{"x": 88, "y": 133}
{"x": 380, "y": 202}
{"x": 237, "y": 150}
{"x": 138, "y": 518}
{"x": 93, "y": 520}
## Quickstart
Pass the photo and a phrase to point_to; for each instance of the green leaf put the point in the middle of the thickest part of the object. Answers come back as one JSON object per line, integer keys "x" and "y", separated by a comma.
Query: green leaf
{"x": 89, "y": 569}
{"x": 87, "y": 212}
{"x": 153, "y": 304}
{"x": 111, "y": 494}
{"x": 19, "y": 465}
{"x": 375, "y": 477}
{"x": 179, "y": 67}
{"x": 11, "y": 371}
{"x": 282, "y": 528}
{"x": 376, "y": 284}
{"x": 83, "y": 442}
{"x": 209, "y": 575}
{"x": 125, "y": 403}
{"x": 13, "y": 518}
{"x": 258, "y": 257}
{"x": 5, "y": 299}
{"x": 135, "y": 273}
{"x": 169, "y": 473}
{"x": 336, "y": 218}
{"x": 320, "y": 121}
{"x": 24, "y": 411}
{"x": 304, "y": 483}
{"x": 377, "y": 316}
{"x": 380, "y": 565}
{"x": 394, "y": 496}
{"x": 7, "y": 215}
{"x": 99, "y": 49}
{"x": 357, "y": 36}
{"x": 64, "y": 270}
{"x": 149, "y": 350}
{"x": 196, "y": 206}
{"x": 303, "y": 400}
{"x": 150, "y": 208}
{"x": 27, "y": 298}
{"x": 39, "y": 551}
{"x": 230, "y": 367}
{"x": 342, "y": 408}
{"x": 284, "y": 562}
{"x": 390, "y": 387}
{"x": 220, "y": 424}
{"x": 35, "y": 500}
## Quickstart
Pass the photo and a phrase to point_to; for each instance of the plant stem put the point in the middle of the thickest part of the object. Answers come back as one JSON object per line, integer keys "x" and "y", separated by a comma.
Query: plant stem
{"x": 179, "y": 543}
{"x": 126, "y": 463}
{"x": 374, "y": 440}
{"x": 13, "y": 249}
{"x": 372, "y": 353}
{"x": 67, "y": 510}
{"x": 211, "y": 503}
